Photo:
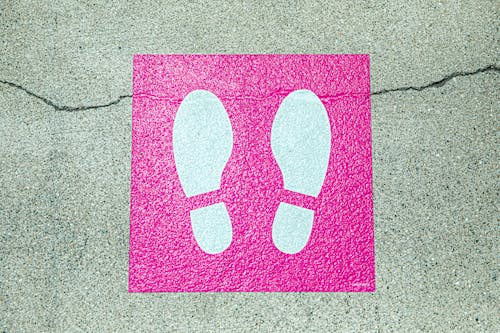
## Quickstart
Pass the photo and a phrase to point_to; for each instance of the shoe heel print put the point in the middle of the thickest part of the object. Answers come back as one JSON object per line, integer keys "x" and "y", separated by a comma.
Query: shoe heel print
{"x": 202, "y": 144}
{"x": 300, "y": 141}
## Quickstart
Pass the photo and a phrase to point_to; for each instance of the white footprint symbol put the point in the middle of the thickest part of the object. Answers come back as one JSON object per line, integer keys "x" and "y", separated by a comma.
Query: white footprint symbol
{"x": 203, "y": 141}
{"x": 300, "y": 141}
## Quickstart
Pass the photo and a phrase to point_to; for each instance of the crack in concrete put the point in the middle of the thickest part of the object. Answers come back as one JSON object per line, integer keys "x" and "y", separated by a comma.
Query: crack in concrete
{"x": 439, "y": 83}
{"x": 66, "y": 108}
{"x": 434, "y": 84}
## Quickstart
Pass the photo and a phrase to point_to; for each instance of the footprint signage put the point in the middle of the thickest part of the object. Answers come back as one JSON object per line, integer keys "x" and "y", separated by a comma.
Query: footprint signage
{"x": 251, "y": 173}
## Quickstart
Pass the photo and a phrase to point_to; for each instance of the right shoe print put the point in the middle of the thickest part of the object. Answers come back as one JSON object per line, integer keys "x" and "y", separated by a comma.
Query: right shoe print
{"x": 301, "y": 142}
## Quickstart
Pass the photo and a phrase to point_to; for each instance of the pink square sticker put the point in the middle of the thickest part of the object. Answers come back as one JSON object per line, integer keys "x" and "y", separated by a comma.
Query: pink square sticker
{"x": 262, "y": 96}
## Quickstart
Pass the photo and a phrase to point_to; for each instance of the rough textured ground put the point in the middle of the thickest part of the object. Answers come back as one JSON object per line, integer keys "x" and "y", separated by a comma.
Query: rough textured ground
{"x": 65, "y": 123}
